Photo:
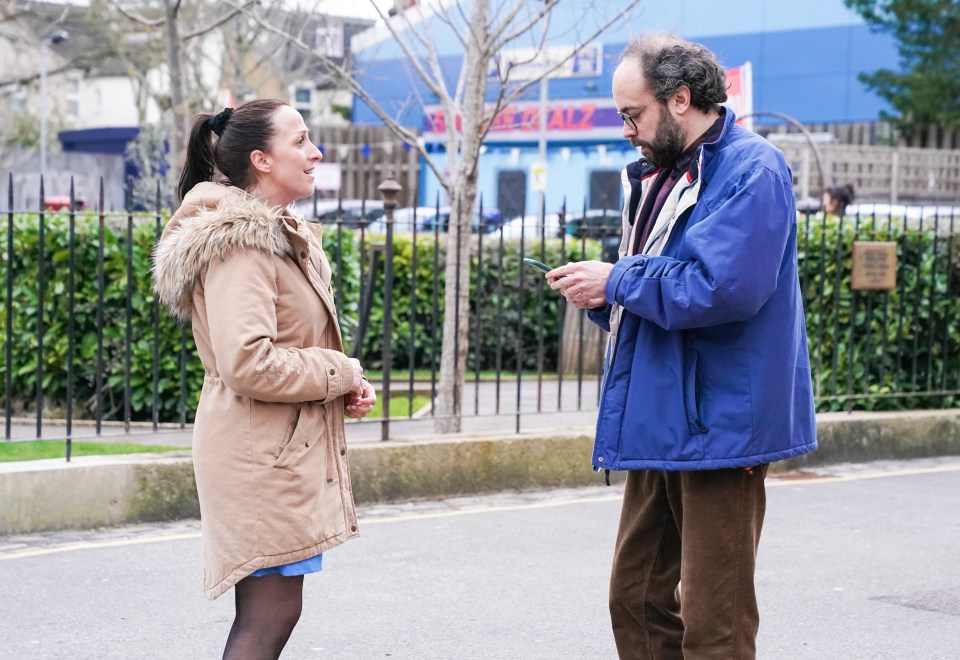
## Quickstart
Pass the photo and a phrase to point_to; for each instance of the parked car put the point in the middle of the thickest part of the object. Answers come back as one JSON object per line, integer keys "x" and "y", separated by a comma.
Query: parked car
{"x": 402, "y": 220}
{"x": 531, "y": 227}
{"x": 599, "y": 225}
{"x": 62, "y": 203}
{"x": 351, "y": 212}
{"x": 429, "y": 217}
{"x": 602, "y": 226}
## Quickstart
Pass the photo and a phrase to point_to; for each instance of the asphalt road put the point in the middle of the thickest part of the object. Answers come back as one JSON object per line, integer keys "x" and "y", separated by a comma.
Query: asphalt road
{"x": 864, "y": 563}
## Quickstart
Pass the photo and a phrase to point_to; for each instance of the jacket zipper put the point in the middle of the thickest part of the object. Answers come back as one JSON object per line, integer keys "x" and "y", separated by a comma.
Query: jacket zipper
{"x": 698, "y": 398}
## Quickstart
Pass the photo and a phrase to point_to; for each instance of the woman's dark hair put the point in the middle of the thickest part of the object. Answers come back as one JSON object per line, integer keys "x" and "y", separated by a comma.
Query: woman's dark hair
{"x": 239, "y": 132}
{"x": 842, "y": 195}
{"x": 669, "y": 63}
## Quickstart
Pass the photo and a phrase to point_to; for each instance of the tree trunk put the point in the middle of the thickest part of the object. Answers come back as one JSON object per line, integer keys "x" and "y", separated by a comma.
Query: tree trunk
{"x": 463, "y": 162}
{"x": 178, "y": 94}
{"x": 582, "y": 344}
{"x": 456, "y": 317}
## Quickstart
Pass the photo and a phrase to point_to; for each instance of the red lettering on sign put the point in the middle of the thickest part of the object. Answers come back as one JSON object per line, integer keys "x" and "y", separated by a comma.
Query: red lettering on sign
{"x": 559, "y": 118}
{"x": 529, "y": 121}
{"x": 505, "y": 120}
{"x": 586, "y": 121}
{"x": 439, "y": 121}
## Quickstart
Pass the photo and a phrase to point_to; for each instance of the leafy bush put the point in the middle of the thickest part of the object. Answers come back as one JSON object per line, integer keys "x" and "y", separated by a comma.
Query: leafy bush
{"x": 861, "y": 343}
{"x": 120, "y": 242}
{"x": 881, "y": 343}
{"x": 509, "y": 302}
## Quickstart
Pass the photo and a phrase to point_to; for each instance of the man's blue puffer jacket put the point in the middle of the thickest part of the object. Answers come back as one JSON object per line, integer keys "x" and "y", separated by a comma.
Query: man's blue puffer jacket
{"x": 710, "y": 366}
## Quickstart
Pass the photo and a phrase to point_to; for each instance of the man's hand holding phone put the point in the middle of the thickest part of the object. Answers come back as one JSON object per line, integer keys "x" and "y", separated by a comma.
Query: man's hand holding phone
{"x": 582, "y": 283}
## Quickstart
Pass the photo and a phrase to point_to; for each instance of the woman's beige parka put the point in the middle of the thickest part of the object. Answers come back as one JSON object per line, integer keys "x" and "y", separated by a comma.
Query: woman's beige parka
{"x": 269, "y": 452}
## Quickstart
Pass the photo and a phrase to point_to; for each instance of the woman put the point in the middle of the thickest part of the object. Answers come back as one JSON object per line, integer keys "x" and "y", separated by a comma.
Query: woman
{"x": 268, "y": 451}
{"x": 837, "y": 199}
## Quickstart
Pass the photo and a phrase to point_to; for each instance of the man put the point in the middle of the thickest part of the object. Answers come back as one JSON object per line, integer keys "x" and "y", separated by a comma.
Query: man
{"x": 707, "y": 378}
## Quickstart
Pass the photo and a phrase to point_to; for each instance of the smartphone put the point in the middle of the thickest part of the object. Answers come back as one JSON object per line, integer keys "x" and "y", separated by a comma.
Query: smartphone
{"x": 539, "y": 265}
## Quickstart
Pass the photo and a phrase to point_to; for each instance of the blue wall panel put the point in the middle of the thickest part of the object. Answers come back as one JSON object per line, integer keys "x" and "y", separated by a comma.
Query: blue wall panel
{"x": 808, "y": 74}
{"x": 806, "y": 58}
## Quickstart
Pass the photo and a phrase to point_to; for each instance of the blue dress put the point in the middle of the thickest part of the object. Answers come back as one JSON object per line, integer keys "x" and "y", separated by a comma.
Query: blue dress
{"x": 302, "y": 567}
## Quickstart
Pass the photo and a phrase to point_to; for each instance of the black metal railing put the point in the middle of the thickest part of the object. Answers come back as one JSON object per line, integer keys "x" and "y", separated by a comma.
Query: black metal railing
{"x": 883, "y": 349}
{"x": 83, "y": 334}
{"x": 87, "y": 343}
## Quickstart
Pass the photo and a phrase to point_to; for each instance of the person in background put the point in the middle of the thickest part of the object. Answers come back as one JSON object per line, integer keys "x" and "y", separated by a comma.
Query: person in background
{"x": 837, "y": 199}
{"x": 707, "y": 377}
{"x": 269, "y": 450}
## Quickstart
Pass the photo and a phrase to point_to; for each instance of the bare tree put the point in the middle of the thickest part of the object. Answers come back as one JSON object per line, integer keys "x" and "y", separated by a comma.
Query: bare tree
{"x": 179, "y": 35}
{"x": 485, "y": 28}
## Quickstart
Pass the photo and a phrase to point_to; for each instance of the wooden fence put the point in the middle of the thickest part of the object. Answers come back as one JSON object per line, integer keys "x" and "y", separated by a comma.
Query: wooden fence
{"x": 367, "y": 155}
{"x": 878, "y": 174}
{"x": 875, "y": 133}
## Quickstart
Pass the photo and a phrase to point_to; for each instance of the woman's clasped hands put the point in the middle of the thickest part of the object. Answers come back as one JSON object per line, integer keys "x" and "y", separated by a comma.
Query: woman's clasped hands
{"x": 361, "y": 399}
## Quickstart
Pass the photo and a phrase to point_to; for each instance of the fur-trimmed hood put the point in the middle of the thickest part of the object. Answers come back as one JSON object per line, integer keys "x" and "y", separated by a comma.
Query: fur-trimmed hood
{"x": 213, "y": 220}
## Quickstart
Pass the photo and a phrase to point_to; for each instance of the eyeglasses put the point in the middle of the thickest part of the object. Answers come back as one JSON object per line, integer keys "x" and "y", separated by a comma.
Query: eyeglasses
{"x": 631, "y": 120}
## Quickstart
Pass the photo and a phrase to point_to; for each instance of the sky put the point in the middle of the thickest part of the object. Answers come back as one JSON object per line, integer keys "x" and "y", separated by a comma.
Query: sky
{"x": 358, "y": 8}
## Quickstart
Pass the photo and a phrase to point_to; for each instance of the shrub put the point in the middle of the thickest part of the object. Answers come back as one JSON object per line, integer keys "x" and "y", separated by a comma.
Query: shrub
{"x": 861, "y": 343}
{"x": 881, "y": 342}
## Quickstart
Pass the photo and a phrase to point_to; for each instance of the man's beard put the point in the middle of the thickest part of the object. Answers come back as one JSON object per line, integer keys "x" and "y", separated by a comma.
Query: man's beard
{"x": 668, "y": 141}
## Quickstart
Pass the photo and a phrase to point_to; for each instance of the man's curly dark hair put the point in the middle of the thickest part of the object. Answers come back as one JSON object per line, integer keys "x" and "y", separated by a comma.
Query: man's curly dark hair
{"x": 669, "y": 63}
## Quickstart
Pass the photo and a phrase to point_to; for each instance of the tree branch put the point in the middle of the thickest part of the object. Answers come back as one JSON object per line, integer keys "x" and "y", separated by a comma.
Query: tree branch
{"x": 218, "y": 22}
{"x": 437, "y": 87}
{"x": 518, "y": 91}
{"x": 137, "y": 18}
{"x": 402, "y": 133}
{"x": 495, "y": 39}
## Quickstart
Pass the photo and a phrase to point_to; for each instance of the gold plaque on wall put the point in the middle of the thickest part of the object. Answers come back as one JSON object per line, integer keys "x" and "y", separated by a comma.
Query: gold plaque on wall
{"x": 874, "y": 266}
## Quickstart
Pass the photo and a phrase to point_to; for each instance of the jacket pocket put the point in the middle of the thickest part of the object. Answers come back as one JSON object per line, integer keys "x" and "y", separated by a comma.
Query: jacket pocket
{"x": 289, "y": 430}
{"x": 693, "y": 393}
{"x": 307, "y": 432}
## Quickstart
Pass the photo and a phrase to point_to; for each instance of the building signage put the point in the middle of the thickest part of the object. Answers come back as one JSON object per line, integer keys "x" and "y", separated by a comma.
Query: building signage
{"x": 533, "y": 63}
{"x": 525, "y": 117}
{"x": 874, "y": 266}
{"x": 538, "y": 177}
{"x": 740, "y": 94}
{"x": 576, "y": 119}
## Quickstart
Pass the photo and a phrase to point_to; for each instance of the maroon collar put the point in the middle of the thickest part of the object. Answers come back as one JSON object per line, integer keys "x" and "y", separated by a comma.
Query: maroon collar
{"x": 712, "y": 134}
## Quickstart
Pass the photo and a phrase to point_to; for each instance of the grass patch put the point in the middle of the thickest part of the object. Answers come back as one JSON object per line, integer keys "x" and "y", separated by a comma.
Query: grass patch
{"x": 399, "y": 405}
{"x": 421, "y": 376}
{"x": 37, "y": 449}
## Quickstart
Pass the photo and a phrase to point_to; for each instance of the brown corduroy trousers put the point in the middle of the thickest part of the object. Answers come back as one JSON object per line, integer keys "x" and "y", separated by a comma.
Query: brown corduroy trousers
{"x": 682, "y": 581}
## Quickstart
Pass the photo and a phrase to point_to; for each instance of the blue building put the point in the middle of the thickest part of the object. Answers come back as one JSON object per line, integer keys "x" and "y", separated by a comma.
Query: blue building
{"x": 804, "y": 58}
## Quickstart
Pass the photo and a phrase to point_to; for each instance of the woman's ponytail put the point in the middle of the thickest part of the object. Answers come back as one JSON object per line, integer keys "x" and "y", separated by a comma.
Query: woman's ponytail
{"x": 199, "y": 165}
{"x": 240, "y": 131}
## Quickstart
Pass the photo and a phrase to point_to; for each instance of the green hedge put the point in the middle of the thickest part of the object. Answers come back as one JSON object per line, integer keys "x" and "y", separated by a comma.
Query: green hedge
{"x": 906, "y": 340}
{"x": 515, "y": 294}
{"x": 879, "y": 342}
{"x": 351, "y": 263}
{"x": 55, "y": 319}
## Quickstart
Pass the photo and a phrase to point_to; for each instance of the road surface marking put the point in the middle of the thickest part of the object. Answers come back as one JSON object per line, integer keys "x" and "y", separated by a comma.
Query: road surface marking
{"x": 866, "y": 475}
{"x": 90, "y": 545}
{"x": 189, "y": 536}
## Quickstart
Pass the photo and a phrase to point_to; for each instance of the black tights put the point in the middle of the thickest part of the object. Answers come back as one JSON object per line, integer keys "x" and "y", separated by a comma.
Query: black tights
{"x": 268, "y": 608}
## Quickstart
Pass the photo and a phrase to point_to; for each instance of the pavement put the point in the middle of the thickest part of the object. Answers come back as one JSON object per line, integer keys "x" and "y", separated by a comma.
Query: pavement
{"x": 854, "y": 563}
{"x": 489, "y": 407}
{"x": 515, "y": 437}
